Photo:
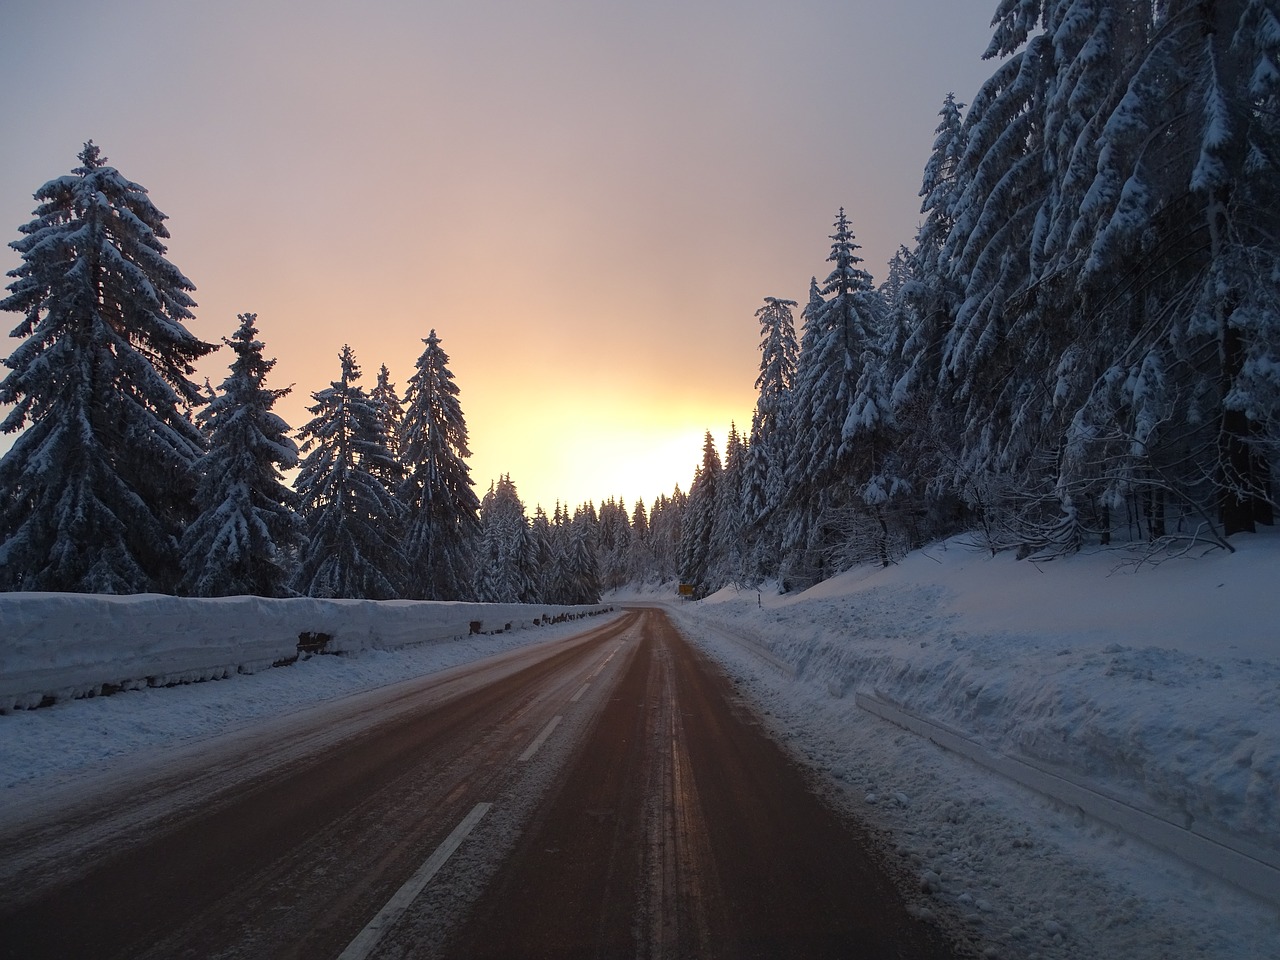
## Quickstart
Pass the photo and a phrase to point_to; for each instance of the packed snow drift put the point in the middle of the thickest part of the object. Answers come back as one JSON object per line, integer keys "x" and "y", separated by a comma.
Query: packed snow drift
{"x": 58, "y": 646}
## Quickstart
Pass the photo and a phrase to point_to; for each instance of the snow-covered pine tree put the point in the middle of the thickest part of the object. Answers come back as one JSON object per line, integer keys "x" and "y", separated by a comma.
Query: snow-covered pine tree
{"x": 727, "y": 560}
{"x": 442, "y": 508}
{"x": 879, "y": 449}
{"x": 778, "y": 352}
{"x": 998, "y": 257}
{"x": 640, "y": 521}
{"x": 765, "y": 468}
{"x": 582, "y": 571}
{"x": 1245, "y": 190}
{"x": 797, "y": 510}
{"x": 1021, "y": 350}
{"x": 99, "y": 485}
{"x": 840, "y": 337}
{"x": 847, "y": 328}
{"x": 353, "y": 525}
{"x": 871, "y": 411}
{"x": 390, "y": 410}
{"x": 900, "y": 320}
{"x": 999, "y": 182}
{"x": 699, "y": 518}
{"x": 542, "y": 557}
{"x": 385, "y": 396}
{"x": 247, "y": 531}
{"x": 640, "y": 560}
{"x": 504, "y": 555}
{"x": 931, "y": 293}
{"x": 613, "y": 544}
{"x": 666, "y": 522}
{"x": 556, "y": 576}
{"x": 928, "y": 300}
{"x": 1102, "y": 446}
{"x": 1091, "y": 43}
{"x": 938, "y": 188}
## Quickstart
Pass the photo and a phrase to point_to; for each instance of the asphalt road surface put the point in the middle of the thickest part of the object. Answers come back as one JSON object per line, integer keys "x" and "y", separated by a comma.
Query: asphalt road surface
{"x": 603, "y": 796}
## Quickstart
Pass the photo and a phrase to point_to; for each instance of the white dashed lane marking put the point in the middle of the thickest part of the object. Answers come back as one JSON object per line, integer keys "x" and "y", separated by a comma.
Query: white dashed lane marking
{"x": 539, "y": 740}
{"x": 368, "y": 938}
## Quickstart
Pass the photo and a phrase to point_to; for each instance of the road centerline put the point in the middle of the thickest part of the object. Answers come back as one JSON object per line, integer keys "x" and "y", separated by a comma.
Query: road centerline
{"x": 604, "y": 663}
{"x": 540, "y": 739}
{"x": 368, "y": 938}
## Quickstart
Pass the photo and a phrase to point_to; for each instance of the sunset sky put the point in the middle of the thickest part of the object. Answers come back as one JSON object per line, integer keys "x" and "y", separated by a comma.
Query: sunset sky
{"x": 586, "y": 199}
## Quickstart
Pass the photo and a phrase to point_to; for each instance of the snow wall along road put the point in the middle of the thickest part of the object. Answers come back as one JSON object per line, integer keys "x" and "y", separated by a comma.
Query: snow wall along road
{"x": 58, "y": 646}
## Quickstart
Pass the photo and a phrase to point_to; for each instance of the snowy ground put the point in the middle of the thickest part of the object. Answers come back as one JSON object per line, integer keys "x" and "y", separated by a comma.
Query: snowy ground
{"x": 1156, "y": 683}
{"x": 60, "y": 646}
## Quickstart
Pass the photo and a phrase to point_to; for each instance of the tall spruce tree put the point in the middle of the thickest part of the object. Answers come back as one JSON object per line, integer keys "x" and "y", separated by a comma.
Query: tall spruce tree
{"x": 764, "y": 474}
{"x": 542, "y": 556}
{"x": 699, "y": 520}
{"x": 98, "y": 487}
{"x": 390, "y": 412}
{"x": 666, "y": 526}
{"x": 505, "y": 553}
{"x": 613, "y": 544}
{"x": 839, "y": 341}
{"x": 928, "y": 301}
{"x": 581, "y": 569}
{"x": 385, "y": 396}
{"x": 640, "y": 560}
{"x": 728, "y": 543}
{"x": 244, "y": 538}
{"x": 559, "y": 589}
{"x": 353, "y": 525}
{"x": 932, "y": 295}
{"x": 797, "y": 515}
{"x": 442, "y": 508}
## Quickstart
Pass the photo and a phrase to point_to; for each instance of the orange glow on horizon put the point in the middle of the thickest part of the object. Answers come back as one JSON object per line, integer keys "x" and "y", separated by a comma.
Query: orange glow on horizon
{"x": 588, "y": 209}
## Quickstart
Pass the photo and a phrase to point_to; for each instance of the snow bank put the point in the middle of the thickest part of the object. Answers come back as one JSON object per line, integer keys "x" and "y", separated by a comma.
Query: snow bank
{"x": 57, "y": 646}
{"x": 1156, "y": 683}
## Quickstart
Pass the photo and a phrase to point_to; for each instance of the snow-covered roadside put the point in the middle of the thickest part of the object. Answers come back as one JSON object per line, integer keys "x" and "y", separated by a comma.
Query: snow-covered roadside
{"x": 59, "y": 646}
{"x": 1159, "y": 683}
{"x": 53, "y": 745}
